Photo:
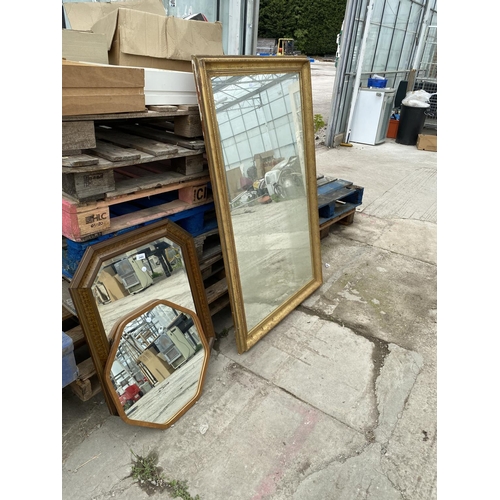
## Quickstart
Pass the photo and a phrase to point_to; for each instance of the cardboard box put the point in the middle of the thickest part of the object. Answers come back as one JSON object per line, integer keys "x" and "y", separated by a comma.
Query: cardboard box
{"x": 164, "y": 87}
{"x": 155, "y": 365}
{"x": 145, "y": 37}
{"x": 84, "y": 46}
{"x": 83, "y": 15}
{"x": 89, "y": 89}
{"x": 427, "y": 142}
{"x": 114, "y": 287}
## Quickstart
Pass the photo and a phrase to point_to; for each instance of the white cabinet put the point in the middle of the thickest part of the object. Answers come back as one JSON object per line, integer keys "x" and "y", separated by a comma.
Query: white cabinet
{"x": 371, "y": 115}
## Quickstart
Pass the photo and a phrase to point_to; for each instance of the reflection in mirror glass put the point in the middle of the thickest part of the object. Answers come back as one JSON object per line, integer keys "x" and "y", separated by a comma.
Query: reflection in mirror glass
{"x": 158, "y": 364}
{"x": 259, "y": 119}
{"x": 152, "y": 271}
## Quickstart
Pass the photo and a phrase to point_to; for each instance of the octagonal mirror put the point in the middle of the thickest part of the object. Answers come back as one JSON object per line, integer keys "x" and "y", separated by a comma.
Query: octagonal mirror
{"x": 157, "y": 364}
{"x": 118, "y": 276}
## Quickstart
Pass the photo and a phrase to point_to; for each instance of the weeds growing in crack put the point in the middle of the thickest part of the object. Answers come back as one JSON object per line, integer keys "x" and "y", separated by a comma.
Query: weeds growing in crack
{"x": 319, "y": 123}
{"x": 150, "y": 477}
{"x": 224, "y": 333}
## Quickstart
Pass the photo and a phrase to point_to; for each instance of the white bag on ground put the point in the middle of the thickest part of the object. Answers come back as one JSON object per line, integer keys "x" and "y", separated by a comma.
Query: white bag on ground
{"x": 417, "y": 99}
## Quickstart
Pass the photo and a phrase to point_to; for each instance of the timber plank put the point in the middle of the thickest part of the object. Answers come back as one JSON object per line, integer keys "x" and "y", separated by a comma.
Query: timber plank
{"x": 185, "y": 143}
{"x": 86, "y": 369}
{"x": 154, "y": 183}
{"x": 103, "y": 164}
{"x": 345, "y": 219}
{"x": 82, "y": 160}
{"x": 160, "y": 133}
{"x": 172, "y": 138}
{"x": 148, "y": 146}
{"x": 77, "y": 336}
{"x": 162, "y": 107}
{"x": 189, "y": 107}
{"x": 216, "y": 290}
{"x": 115, "y": 153}
{"x": 66, "y": 314}
{"x": 135, "y": 114}
{"x": 219, "y": 304}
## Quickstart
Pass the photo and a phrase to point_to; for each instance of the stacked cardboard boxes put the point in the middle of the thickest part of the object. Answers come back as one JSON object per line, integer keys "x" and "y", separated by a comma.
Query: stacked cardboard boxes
{"x": 94, "y": 89}
{"x": 140, "y": 34}
{"x": 140, "y": 56}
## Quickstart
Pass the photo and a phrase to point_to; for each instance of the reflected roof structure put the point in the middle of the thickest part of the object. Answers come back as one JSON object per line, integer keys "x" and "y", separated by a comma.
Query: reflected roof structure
{"x": 230, "y": 91}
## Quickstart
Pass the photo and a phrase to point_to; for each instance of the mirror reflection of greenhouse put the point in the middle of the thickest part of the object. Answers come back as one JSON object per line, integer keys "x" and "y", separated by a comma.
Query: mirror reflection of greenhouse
{"x": 151, "y": 348}
{"x": 254, "y": 115}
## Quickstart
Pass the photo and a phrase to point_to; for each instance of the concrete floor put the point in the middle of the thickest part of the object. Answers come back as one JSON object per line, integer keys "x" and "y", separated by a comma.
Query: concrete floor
{"x": 339, "y": 400}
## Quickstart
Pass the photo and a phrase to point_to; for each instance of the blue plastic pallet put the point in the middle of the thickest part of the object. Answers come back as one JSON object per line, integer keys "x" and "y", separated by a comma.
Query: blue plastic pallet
{"x": 195, "y": 221}
{"x": 69, "y": 368}
{"x": 336, "y": 198}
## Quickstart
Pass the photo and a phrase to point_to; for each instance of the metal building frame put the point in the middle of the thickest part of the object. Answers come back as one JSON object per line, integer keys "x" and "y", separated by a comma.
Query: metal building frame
{"x": 396, "y": 39}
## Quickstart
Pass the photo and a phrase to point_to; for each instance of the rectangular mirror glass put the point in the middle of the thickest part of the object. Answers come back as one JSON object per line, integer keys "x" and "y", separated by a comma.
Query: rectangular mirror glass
{"x": 258, "y": 127}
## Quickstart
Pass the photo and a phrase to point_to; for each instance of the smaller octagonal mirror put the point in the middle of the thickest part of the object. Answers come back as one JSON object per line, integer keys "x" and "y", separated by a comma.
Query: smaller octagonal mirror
{"x": 157, "y": 364}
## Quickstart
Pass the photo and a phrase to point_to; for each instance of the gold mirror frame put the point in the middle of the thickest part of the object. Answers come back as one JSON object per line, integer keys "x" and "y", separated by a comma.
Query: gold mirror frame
{"x": 167, "y": 391}
{"x": 232, "y": 67}
{"x": 82, "y": 294}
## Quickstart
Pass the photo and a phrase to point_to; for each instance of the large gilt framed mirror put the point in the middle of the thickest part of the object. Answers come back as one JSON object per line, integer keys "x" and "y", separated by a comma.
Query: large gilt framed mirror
{"x": 118, "y": 276}
{"x": 257, "y": 122}
{"x": 157, "y": 364}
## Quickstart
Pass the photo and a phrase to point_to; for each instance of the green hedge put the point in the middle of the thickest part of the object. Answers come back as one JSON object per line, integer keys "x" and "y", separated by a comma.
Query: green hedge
{"x": 313, "y": 24}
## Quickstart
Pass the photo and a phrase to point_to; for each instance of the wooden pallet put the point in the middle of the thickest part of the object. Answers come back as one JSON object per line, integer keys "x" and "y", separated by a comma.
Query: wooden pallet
{"x": 112, "y": 154}
{"x": 345, "y": 219}
{"x": 217, "y": 294}
{"x": 87, "y": 384}
{"x": 82, "y": 221}
{"x": 208, "y": 242}
{"x": 183, "y": 120}
{"x": 196, "y": 220}
{"x": 213, "y": 271}
{"x": 128, "y": 172}
{"x": 209, "y": 250}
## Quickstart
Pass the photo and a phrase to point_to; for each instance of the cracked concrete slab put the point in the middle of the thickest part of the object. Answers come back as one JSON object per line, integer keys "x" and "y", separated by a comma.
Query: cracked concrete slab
{"x": 413, "y": 238}
{"x": 379, "y": 293}
{"x": 393, "y": 386}
{"x": 327, "y": 388}
{"x": 321, "y": 363}
{"x": 358, "y": 478}
{"x": 410, "y": 453}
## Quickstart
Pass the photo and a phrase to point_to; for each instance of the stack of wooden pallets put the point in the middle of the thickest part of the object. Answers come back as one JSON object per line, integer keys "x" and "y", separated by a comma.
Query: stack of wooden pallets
{"x": 122, "y": 171}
